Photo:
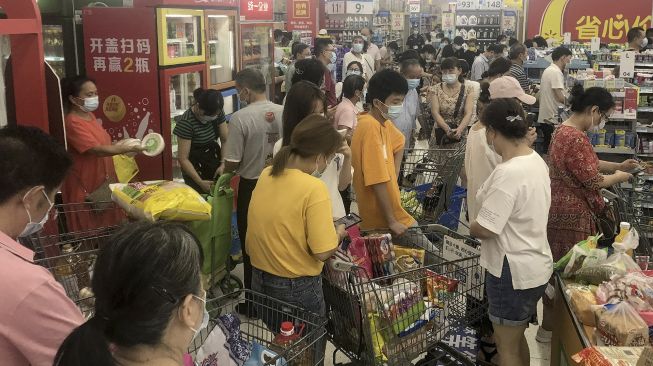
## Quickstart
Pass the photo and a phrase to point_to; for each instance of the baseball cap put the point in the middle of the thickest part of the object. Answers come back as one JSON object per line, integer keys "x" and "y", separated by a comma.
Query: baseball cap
{"x": 322, "y": 33}
{"x": 508, "y": 87}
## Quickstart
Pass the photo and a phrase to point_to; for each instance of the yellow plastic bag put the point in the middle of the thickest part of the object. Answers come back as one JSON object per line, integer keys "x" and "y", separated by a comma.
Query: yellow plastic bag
{"x": 163, "y": 200}
{"x": 126, "y": 167}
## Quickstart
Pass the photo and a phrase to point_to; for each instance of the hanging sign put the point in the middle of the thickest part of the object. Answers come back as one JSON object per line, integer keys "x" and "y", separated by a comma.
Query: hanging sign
{"x": 257, "y": 10}
{"x": 335, "y": 7}
{"x": 413, "y": 8}
{"x": 627, "y": 65}
{"x": 467, "y": 4}
{"x": 397, "y": 20}
{"x": 302, "y": 15}
{"x": 360, "y": 7}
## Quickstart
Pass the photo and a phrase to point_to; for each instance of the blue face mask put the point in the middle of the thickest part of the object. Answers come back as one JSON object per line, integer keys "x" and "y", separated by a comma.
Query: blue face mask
{"x": 34, "y": 227}
{"x": 357, "y": 47}
{"x": 394, "y": 111}
{"x": 334, "y": 57}
{"x": 205, "y": 316}
{"x": 413, "y": 83}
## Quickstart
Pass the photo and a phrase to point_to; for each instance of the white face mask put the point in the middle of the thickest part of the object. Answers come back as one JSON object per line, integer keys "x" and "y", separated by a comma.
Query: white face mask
{"x": 33, "y": 227}
{"x": 205, "y": 317}
{"x": 90, "y": 104}
{"x": 352, "y": 72}
{"x": 357, "y": 47}
{"x": 364, "y": 38}
{"x": 449, "y": 78}
{"x": 644, "y": 42}
{"x": 317, "y": 173}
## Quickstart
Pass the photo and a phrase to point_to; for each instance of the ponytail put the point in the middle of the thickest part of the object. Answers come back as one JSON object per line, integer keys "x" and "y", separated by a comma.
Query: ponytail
{"x": 86, "y": 345}
{"x": 281, "y": 160}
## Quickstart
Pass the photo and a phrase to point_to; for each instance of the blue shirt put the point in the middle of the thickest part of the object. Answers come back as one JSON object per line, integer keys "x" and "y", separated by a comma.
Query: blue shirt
{"x": 406, "y": 122}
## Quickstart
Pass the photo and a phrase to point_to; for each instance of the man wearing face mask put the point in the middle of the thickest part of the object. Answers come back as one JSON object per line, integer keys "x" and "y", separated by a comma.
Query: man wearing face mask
{"x": 455, "y": 49}
{"x": 372, "y": 49}
{"x": 415, "y": 41}
{"x": 325, "y": 52}
{"x": 482, "y": 62}
{"x": 405, "y": 122}
{"x": 637, "y": 40}
{"x": 518, "y": 56}
{"x": 358, "y": 53}
{"x": 253, "y": 131}
{"x": 36, "y": 313}
{"x": 552, "y": 93}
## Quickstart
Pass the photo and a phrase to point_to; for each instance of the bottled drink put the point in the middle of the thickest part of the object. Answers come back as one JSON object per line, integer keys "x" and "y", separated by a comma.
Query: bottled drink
{"x": 624, "y": 228}
{"x": 64, "y": 271}
{"x": 286, "y": 338}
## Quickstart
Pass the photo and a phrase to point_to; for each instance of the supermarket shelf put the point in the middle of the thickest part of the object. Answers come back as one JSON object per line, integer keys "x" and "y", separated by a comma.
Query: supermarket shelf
{"x": 644, "y": 129}
{"x": 645, "y": 155}
{"x": 177, "y": 40}
{"x": 480, "y": 26}
{"x": 644, "y": 109}
{"x": 646, "y": 90}
{"x": 612, "y": 150}
{"x": 621, "y": 117}
{"x": 615, "y": 63}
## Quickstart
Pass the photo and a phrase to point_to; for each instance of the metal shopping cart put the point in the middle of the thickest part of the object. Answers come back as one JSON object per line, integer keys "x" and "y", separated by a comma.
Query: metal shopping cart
{"x": 428, "y": 180}
{"x": 634, "y": 205}
{"x": 304, "y": 351}
{"x": 384, "y": 320}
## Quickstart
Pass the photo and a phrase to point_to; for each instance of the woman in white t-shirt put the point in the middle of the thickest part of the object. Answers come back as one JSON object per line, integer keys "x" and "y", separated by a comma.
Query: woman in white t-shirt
{"x": 358, "y": 53}
{"x": 514, "y": 207}
{"x": 303, "y": 99}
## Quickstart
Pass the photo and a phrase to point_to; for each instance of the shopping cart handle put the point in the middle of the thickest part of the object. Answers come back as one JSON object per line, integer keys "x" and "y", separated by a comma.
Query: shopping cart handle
{"x": 343, "y": 266}
{"x": 608, "y": 195}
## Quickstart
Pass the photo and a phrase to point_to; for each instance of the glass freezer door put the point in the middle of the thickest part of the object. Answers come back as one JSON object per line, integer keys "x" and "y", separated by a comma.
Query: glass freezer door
{"x": 257, "y": 52}
{"x": 53, "y": 48}
{"x": 180, "y": 36}
{"x": 221, "y": 50}
{"x": 181, "y": 99}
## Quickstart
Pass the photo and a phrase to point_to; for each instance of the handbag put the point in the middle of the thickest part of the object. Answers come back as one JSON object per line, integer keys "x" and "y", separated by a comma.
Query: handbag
{"x": 100, "y": 198}
{"x": 441, "y": 137}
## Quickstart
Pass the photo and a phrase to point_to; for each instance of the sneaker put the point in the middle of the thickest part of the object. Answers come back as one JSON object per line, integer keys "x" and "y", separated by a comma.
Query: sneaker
{"x": 543, "y": 335}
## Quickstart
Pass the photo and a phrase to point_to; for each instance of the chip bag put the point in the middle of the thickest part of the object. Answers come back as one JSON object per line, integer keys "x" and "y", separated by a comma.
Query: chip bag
{"x": 439, "y": 288}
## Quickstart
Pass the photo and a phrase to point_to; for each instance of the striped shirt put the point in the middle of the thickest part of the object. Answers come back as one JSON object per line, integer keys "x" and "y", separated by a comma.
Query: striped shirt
{"x": 190, "y": 128}
{"x": 517, "y": 72}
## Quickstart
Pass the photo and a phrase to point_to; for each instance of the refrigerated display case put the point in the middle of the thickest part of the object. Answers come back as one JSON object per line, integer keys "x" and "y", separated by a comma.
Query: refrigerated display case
{"x": 180, "y": 36}
{"x": 222, "y": 59}
{"x": 180, "y": 83}
{"x": 257, "y": 46}
{"x": 59, "y": 45}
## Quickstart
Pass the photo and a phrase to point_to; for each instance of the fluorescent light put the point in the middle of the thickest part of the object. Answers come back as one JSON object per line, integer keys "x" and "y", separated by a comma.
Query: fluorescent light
{"x": 178, "y": 16}
{"x": 218, "y": 16}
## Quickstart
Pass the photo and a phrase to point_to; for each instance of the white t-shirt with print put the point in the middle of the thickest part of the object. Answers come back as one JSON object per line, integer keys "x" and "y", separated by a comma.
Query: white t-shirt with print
{"x": 552, "y": 78}
{"x": 480, "y": 161}
{"x": 331, "y": 178}
{"x": 515, "y": 202}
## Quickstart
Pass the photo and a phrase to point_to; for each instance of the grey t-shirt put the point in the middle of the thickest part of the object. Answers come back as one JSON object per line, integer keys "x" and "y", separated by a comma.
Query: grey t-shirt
{"x": 253, "y": 131}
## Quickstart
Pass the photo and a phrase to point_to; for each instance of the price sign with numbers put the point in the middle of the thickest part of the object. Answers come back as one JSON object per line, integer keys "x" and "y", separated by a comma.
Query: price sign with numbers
{"x": 595, "y": 44}
{"x": 627, "y": 65}
{"x": 335, "y": 7}
{"x": 397, "y": 20}
{"x": 413, "y": 8}
{"x": 360, "y": 7}
{"x": 467, "y": 4}
{"x": 492, "y": 4}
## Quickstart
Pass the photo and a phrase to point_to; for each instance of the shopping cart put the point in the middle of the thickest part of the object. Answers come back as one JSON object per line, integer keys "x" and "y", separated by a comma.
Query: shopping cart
{"x": 635, "y": 206}
{"x": 428, "y": 180}
{"x": 366, "y": 323}
{"x": 304, "y": 351}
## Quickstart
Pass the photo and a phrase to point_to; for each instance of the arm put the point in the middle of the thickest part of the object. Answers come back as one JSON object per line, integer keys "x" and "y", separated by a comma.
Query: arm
{"x": 398, "y": 156}
{"x": 321, "y": 235}
{"x": 435, "y": 111}
{"x": 610, "y": 167}
{"x": 559, "y": 96}
{"x": 231, "y": 166}
{"x": 223, "y": 130}
{"x": 480, "y": 232}
{"x": 344, "y": 179}
{"x": 111, "y": 150}
{"x": 324, "y": 256}
{"x": 233, "y": 149}
{"x": 186, "y": 166}
{"x": 616, "y": 178}
{"x": 382, "y": 195}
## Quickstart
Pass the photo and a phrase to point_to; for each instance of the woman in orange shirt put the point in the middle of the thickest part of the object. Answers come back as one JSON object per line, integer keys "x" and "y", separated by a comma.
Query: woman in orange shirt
{"x": 92, "y": 151}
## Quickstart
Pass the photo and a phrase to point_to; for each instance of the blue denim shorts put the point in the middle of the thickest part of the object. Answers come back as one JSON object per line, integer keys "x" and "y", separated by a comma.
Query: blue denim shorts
{"x": 508, "y": 306}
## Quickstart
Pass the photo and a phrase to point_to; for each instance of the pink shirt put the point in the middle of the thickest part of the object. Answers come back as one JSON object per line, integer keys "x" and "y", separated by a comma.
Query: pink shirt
{"x": 35, "y": 314}
{"x": 346, "y": 114}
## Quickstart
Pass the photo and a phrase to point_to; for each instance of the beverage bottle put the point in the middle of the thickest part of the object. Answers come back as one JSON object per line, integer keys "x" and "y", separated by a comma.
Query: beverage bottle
{"x": 286, "y": 338}
{"x": 624, "y": 228}
{"x": 64, "y": 271}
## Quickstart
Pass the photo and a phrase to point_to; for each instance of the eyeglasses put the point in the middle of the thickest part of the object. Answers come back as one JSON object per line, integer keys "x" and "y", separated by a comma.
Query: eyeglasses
{"x": 604, "y": 117}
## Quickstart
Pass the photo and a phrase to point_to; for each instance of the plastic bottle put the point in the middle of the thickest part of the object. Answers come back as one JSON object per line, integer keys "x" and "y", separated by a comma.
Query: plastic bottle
{"x": 624, "y": 228}
{"x": 64, "y": 271}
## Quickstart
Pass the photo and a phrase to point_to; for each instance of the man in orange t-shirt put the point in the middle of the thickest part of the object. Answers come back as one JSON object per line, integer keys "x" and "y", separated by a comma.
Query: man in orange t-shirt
{"x": 377, "y": 150}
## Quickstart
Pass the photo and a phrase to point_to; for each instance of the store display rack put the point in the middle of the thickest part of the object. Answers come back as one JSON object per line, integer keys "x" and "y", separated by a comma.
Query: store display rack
{"x": 483, "y": 25}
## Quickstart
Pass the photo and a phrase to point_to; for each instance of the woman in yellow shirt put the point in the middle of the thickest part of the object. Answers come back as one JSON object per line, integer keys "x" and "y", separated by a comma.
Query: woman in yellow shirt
{"x": 290, "y": 232}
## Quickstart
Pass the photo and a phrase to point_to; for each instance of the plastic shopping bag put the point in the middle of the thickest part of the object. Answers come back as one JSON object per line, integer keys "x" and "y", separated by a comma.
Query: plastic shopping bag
{"x": 126, "y": 168}
{"x": 620, "y": 259}
{"x": 620, "y": 325}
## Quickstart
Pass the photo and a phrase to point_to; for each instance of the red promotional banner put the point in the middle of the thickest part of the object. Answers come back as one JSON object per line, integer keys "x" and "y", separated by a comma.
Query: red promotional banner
{"x": 194, "y": 3}
{"x": 257, "y": 10}
{"x": 585, "y": 19}
{"x": 302, "y": 15}
{"x": 121, "y": 56}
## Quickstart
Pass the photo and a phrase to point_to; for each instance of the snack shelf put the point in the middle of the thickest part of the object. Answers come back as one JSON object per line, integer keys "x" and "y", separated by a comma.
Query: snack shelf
{"x": 612, "y": 150}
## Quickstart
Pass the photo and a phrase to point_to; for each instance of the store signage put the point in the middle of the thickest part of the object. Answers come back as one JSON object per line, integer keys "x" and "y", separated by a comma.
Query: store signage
{"x": 448, "y": 21}
{"x": 360, "y": 7}
{"x": 257, "y": 10}
{"x": 584, "y": 20}
{"x": 627, "y": 65}
{"x": 414, "y": 8}
{"x": 121, "y": 56}
{"x": 397, "y": 20}
{"x": 467, "y": 4}
{"x": 302, "y": 15}
{"x": 490, "y": 4}
{"x": 513, "y": 4}
{"x": 335, "y": 7}
{"x": 509, "y": 21}
{"x": 595, "y": 44}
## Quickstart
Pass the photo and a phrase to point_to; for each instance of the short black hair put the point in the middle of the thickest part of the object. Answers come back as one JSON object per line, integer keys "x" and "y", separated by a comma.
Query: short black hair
{"x": 496, "y": 48}
{"x": 406, "y": 64}
{"x": 360, "y": 65}
{"x": 501, "y": 37}
{"x": 581, "y": 99}
{"x": 528, "y": 43}
{"x": 464, "y": 66}
{"x": 633, "y": 33}
{"x": 428, "y": 48}
{"x": 450, "y": 63}
{"x": 209, "y": 100}
{"x": 71, "y": 87}
{"x": 251, "y": 79}
{"x": 512, "y": 41}
{"x": 351, "y": 84}
{"x": 298, "y": 48}
{"x": 540, "y": 41}
{"x": 309, "y": 69}
{"x": 385, "y": 83}
{"x": 300, "y": 103}
{"x": 559, "y": 52}
{"x": 499, "y": 66}
{"x": 500, "y": 115}
{"x": 393, "y": 46}
{"x": 28, "y": 158}
{"x": 458, "y": 40}
{"x": 440, "y": 35}
{"x": 516, "y": 50}
{"x": 321, "y": 45}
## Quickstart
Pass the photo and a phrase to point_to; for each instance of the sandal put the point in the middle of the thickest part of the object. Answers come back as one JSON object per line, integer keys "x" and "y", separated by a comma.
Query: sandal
{"x": 488, "y": 355}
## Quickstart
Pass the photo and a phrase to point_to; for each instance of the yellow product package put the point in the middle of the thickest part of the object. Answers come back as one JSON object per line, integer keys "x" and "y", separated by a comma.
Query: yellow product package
{"x": 126, "y": 167}
{"x": 163, "y": 200}
{"x": 378, "y": 342}
{"x": 416, "y": 254}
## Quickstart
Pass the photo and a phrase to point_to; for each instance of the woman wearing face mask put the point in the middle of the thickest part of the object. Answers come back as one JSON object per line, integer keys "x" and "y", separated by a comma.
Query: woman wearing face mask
{"x": 149, "y": 301}
{"x": 347, "y": 112}
{"x": 291, "y": 232}
{"x": 197, "y": 131}
{"x": 452, "y": 104}
{"x": 92, "y": 151}
{"x": 354, "y": 68}
{"x": 304, "y": 99}
{"x": 514, "y": 203}
{"x": 358, "y": 53}
{"x": 577, "y": 176}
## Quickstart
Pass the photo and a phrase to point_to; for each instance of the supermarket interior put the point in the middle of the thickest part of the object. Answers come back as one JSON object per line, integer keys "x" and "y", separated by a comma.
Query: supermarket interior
{"x": 326, "y": 182}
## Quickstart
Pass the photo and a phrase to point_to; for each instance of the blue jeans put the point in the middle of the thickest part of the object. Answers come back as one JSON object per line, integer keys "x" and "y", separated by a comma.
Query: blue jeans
{"x": 508, "y": 306}
{"x": 303, "y": 292}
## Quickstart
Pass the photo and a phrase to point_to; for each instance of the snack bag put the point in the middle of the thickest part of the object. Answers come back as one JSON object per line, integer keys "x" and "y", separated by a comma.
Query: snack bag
{"x": 578, "y": 256}
{"x": 164, "y": 200}
{"x": 439, "y": 288}
{"x": 380, "y": 249}
{"x": 611, "y": 356}
{"x": 359, "y": 255}
{"x": 415, "y": 253}
{"x": 620, "y": 325}
{"x": 378, "y": 342}
{"x": 595, "y": 275}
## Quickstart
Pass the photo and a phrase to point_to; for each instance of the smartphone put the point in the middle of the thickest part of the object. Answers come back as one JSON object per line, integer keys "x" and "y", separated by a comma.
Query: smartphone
{"x": 530, "y": 119}
{"x": 349, "y": 220}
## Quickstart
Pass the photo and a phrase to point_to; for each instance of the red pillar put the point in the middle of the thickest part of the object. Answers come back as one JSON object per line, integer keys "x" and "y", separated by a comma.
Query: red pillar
{"x": 23, "y": 24}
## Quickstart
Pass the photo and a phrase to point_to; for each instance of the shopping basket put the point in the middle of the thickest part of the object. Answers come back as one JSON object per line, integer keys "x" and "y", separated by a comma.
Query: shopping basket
{"x": 256, "y": 335}
{"x": 428, "y": 180}
{"x": 384, "y": 320}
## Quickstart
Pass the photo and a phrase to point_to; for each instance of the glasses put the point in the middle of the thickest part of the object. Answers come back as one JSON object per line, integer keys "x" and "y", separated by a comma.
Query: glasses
{"x": 604, "y": 117}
